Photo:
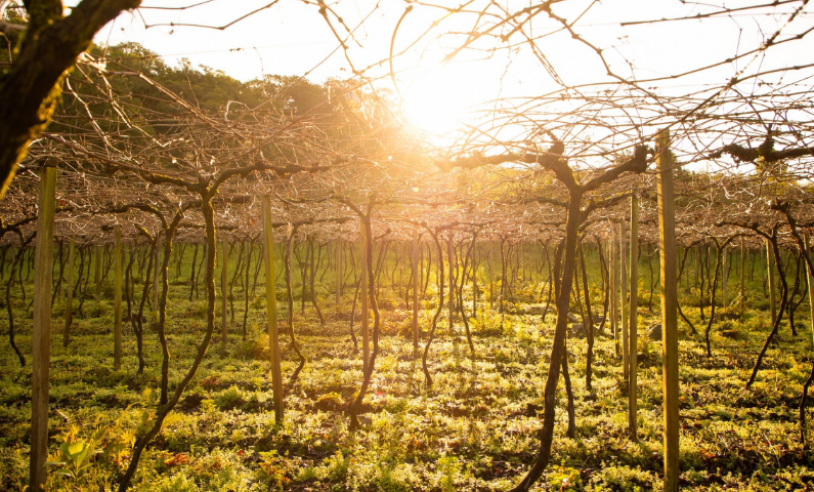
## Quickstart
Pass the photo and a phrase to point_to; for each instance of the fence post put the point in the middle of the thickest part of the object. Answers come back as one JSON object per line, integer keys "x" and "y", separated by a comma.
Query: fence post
{"x": 416, "y": 282}
{"x": 117, "y": 298}
{"x": 772, "y": 287}
{"x": 614, "y": 287}
{"x": 669, "y": 310}
{"x": 363, "y": 291}
{"x": 224, "y": 289}
{"x": 156, "y": 275}
{"x": 338, "y": 271}
{"x": 633, "y": 318}
{"x": 271, "y": 311}
{"x": 98, "y": 271}
{"x": 624, "y": 301}
{"x": 41, "y": 336}
{"x": 69, "y": 300}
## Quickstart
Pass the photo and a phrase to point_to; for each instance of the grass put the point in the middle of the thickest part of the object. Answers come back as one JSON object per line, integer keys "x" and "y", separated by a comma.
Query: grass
{"x": 476, "y": 429}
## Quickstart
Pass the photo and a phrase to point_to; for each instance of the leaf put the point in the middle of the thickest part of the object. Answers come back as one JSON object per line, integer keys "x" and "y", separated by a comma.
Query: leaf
{"x": 75, "y": 451}
{"x": 77, "y": 448}
{"x": 114, "y": 447}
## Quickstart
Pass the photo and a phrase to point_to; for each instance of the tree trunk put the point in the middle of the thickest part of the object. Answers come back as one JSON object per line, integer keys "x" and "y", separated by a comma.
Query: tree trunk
{"x": 294, "y": 345}
{"x": 428, "y": 378}
{"x": 772, "y": 242}
{"x": 558, "y": 345}
{"x": 367, "y": 259}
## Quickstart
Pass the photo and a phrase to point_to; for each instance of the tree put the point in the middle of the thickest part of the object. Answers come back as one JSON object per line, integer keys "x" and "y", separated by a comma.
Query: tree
{"x": 30, "y": 87}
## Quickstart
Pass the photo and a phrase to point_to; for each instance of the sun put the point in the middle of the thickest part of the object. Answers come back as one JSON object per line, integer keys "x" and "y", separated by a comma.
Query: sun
{"x": 441, "y": 99}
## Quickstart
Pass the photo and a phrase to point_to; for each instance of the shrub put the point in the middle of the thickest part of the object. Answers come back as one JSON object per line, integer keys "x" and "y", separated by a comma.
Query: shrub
{"x": 230, "y": 399}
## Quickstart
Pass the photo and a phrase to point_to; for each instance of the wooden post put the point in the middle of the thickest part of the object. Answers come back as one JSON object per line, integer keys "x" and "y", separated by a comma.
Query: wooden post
{"x": 614, "y": 293}
{"x": 401, "y": 256}
{"x": 224, "y": 289}
{"x": 763, "y": 265}
{"x": 338, "y": 271}
{"x": 503, "y": 278}
{"x": 98, "y": 271}
{"x": 416, "y": 283}
{"x": 633, "y": 318}
{"x": 117, "y": 298}
{"x": 770, "y": 272}
{"x": 475, "y": 268}
{"x": 491, "y": 278}
{"x": 724, "y": 279}
{"x": 41, "y": 335}
{"x": 623, "y": 282}
{"x": 451, "y": 262}
{"x": 669, "y": 310}
{"x": 363, "y": 291}
{"x": 69, "y": 301}
{"x": 743, "y": 268}
{"x": 810, "y": 281}
{"x": 271, "y": 311}
{"x": 421, "y": 278}
{"x": 156, "y": 276}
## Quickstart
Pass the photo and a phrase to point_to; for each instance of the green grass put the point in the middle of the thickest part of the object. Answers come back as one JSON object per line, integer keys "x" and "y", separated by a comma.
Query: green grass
{"x": 476, "y": 429}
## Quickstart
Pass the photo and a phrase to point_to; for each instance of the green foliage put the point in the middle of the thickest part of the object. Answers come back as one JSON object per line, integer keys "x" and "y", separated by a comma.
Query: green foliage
{"x": 230, "y": 399}
{"x": 450, "y": 468}
{"x": 76, "y": 457}
{"x": 274, "y": 470}
{"x": 564, "y": 479}
{"x": 477, "y": 429}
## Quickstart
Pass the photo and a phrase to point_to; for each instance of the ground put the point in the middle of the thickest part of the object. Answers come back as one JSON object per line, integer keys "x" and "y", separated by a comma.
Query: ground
{"x": 475, "y": 429}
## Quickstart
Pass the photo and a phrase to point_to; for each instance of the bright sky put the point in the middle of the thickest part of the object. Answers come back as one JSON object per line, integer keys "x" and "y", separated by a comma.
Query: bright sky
{"x": 291, "y": 38}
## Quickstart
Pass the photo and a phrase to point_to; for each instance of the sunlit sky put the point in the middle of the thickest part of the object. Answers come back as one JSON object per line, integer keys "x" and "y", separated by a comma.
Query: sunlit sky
{"x": 291, "y": 38}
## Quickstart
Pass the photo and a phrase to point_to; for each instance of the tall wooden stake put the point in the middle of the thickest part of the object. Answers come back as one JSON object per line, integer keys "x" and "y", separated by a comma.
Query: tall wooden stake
{"x": 363, "y": 291}
{"x": 98, "y": 271}
{"x": 614, "y": 283}
{"x": 117, "y": 298}
{"x": 41, "y": 336}
{"x": 156, "y": 276}
{"x": 475, "y": 268}
{"x": 770, "y": 272}
{"x": 451, "y": 262}
{"x": 416, "y": 283}
{"x": 743, "y": 268}
{"x": 271, "y": 311}
{"x": 623, "y": 272}
{"x": 491, "y": 279}
{"x": 338, "y": 270}
{"x": 69, "y": 301}
{"x": 633, "y": 318}
{"x": 810, "y": 283}
{"x": 224, "y": 289}
{"x": 669, "y": 310}
{"x": 724, "y": 278}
